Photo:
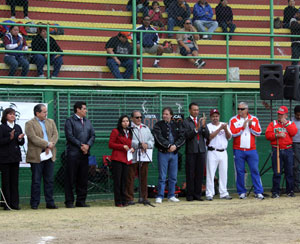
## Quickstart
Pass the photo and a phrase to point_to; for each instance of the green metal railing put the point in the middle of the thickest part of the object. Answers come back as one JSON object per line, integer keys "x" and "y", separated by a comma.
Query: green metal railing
{"x": 141, "y": 56}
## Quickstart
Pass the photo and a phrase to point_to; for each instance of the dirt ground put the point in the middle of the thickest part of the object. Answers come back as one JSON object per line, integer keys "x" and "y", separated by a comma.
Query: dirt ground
{"x": 219, "y": 221}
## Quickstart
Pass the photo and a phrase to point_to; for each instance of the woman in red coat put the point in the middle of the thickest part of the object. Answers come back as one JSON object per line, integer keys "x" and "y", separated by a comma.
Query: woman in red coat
{"x": 120, "y": 143}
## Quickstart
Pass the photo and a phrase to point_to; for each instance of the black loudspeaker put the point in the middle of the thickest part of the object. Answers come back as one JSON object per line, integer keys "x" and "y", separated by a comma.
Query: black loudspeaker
{"x": 271, "y": 82}
{"x": 292, "y": 82}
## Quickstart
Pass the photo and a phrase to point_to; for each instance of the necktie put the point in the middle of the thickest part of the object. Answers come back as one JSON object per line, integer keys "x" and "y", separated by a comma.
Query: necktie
{"x": 81, "y": 120}
{"x": 195, "y": 121}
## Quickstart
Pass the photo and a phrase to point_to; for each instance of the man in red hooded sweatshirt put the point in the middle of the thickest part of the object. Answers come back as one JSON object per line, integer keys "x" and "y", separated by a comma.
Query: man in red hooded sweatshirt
{"x": 280, "y": 132}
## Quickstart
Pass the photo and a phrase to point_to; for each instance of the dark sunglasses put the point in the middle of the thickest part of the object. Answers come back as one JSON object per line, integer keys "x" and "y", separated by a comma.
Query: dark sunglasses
{"x": 242, "y": 109}
{"x": 188, "y": 23}
{"x": 138, "y": 117}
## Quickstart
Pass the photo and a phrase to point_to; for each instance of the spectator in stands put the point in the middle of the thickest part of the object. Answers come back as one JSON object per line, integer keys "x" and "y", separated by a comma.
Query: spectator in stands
{"x": 156, "y": 16}
{"x": 141, "y": 6}
{"x": 167, "y": 3}
{"x": 120, "y": 142}
{"x": 14, "y": 3}
{"x": 178, "y": 11}
{"x": 187, "y": 44}
{"x": 11, "y": 138}
{"x": 224, "y": 17}
{"x": 13, "y": 40}
{"x": 39, "y": 43}
{"x": 295, "y": 30}
{"x": 150, "y": 41}
{"x": 119, "y": 45}
{"x": 203, "y": 18}
{"x": 288, "y": 13}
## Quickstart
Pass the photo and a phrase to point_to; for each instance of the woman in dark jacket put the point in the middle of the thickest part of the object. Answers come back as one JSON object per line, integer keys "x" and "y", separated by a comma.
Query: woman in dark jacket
{"x": 120, "y": 143}
{"x": 39, "y": 43}
{"x": 11, "y": 137}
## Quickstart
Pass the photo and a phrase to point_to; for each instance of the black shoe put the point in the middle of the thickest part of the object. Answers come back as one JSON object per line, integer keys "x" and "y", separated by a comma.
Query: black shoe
{"x": 198, "y": 199}
{"x": 34, "y": 207}
{"x": 6, "y": 208}
{"x": 70, "y": 205}
{"x": 16, "y": 208}
{"x": 291, "y": 194}
{"x": 51, "y": 206}
{"x": 82, "y": 205}
{"x": 131, "y": 202}
{"x": 189, "y": 199}
{"x": 275, "y": 195}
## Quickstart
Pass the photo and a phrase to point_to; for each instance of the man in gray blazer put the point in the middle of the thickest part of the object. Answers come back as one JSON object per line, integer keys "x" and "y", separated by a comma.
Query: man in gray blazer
{"x": 195, "y": 132}
{"x": 42, "y": 136}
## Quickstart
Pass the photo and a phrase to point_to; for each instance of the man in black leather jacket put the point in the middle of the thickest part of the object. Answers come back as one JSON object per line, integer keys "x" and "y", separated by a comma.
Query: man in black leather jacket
{"x": 169, "y": 137}
{"x": 80, "y": 136}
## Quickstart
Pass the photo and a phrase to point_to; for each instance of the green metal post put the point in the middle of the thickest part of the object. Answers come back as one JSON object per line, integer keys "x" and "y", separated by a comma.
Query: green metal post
{"x": 48, "y": 50}
{"x": 134, "y": 17}
{"x": 272, "y": 30}
{"x": 141, "y": 55}
{"x": 49, "y": 99}
{"x": 227, "y": 58}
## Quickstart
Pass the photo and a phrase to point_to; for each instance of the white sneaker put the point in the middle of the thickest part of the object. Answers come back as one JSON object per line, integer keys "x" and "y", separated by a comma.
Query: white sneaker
{"x": 158, "y": 200}
{"x": 27, "y": 18}
{"x": 259, "y": 196}
{"x": 13, "y": 17}
{"x": 243, "y": 196}
{"x": 173, "y": 199}
{"x": 41, "y": 76}
{"x": 205, "y": 37}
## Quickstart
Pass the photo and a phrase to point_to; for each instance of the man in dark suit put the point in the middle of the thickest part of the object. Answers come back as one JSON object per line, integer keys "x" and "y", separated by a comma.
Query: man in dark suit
{"x": 195, "y": 132}
{"x": 80, "y": 136}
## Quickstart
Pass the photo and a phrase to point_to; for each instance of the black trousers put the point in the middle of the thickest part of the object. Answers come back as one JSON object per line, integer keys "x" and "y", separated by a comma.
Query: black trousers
{"x": 10, "y": 183}
{"x": 194, "y": 170}
{"x": 14, "y": 3}
{"x": 120, "y": 172}
{"x": 76, "y": 174}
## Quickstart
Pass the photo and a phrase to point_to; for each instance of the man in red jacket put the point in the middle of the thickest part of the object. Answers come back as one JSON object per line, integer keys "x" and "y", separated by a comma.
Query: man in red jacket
{"x": 245, "y": 127}
{"x": 280, "y": 133}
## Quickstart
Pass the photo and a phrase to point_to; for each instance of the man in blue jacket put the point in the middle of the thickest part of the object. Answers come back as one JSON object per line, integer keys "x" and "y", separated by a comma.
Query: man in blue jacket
{"x": 150, "y": 41}
{"x": 203, "y": 18}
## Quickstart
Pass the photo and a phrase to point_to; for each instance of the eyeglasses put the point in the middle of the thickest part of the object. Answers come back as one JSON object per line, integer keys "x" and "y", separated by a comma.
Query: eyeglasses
{"x": 242, "y": 109}
{"x": 188, "y": 23}
{"x": 138, "y": 117}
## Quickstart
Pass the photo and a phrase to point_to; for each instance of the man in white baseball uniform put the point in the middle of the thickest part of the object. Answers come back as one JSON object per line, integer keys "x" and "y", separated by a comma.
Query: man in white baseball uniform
{"x": 217, "y": 156}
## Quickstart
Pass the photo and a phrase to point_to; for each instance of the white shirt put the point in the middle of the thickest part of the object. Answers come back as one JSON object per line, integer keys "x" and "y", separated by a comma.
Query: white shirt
{"x": 219, "y": 141}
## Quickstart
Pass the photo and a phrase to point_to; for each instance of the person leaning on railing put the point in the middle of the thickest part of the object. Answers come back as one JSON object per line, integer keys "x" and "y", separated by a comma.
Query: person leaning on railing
{"x": 13, "y": 40}
{"x": 288, "y": 13}
{"x": 119, "y": 45}
{"x": 39, "y": 43}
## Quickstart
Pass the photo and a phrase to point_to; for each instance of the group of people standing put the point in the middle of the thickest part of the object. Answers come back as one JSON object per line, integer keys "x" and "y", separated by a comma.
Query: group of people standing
{"x": 206, "y": 147}
{"x": 42, "y": 137}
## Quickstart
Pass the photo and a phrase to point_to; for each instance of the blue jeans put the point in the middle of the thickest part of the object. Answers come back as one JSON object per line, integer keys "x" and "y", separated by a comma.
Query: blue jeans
{"x": 173, "y": 22}
{"x": 114, "y": 68}
{"x": 201, "y": 26}
{"x": 286, "y": 162}
{"x": 40, "y": 61}
{"x": 252, "y": 159}
{"x": 167, "y": 163}
{"x": 43, "y": 169}
{"x": 14, "y": 62}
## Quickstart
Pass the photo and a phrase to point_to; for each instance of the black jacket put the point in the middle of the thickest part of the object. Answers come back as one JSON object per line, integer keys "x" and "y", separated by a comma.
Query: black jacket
{"x": 10, "y": 149}
{"x": 288, "y": 13}
{"x": 39, "y": 44}
{"x": 161, "y": 135}
{"x": 192, "y": 145}
{"x": 77, "y": 134}
{"x": 295, "y": 30}
{"x": 175, "y": 11}
{"x": 223, "y": 13}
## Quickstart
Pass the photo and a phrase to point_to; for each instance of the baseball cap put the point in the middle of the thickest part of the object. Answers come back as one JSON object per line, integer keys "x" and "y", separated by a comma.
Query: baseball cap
{"x": 282, "y": 110}
{"x": 212, "y": 111}
{"x": 127, "y": 34}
